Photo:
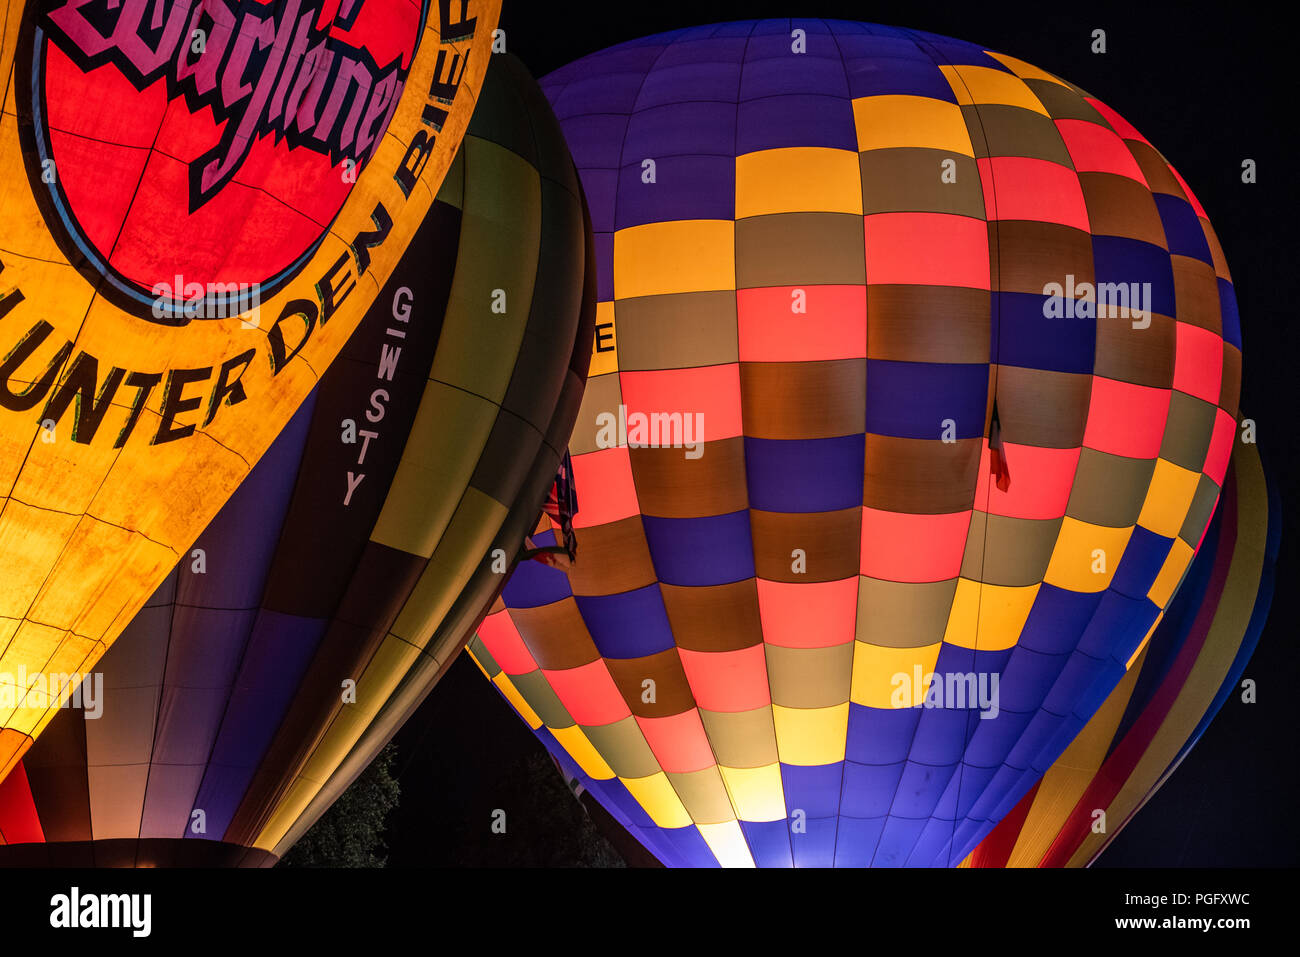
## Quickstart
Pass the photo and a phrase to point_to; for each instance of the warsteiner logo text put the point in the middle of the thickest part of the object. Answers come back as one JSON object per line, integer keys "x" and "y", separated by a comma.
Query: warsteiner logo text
{"x": 262, "y": 68}
{"x": 41, "y": 373}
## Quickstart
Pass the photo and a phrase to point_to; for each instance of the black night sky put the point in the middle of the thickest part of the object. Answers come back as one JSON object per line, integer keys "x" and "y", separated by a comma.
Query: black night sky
{"x": 1209, "y": 88}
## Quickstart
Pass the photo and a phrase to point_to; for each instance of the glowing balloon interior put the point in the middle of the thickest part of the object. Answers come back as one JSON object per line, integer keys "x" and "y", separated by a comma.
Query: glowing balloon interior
{"x": 349, "y": 569}
{"x": 182, "y": 256}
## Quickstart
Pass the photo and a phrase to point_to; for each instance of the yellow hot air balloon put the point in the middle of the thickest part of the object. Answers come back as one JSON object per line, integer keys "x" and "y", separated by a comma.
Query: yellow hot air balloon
{"x": 200, "y": 202}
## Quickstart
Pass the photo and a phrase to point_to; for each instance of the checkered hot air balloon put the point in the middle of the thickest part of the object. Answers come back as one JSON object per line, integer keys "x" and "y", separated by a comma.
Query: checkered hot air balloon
{"x": 813, "y": 620}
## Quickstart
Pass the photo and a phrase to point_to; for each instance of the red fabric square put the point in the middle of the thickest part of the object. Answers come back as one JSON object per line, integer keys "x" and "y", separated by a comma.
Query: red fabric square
{"x": 900, "y": 547}
{"x": 928, "y": 249}
{"x": 1018, "y": 187}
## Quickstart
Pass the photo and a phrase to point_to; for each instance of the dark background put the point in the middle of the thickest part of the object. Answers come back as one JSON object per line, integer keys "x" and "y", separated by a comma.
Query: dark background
{"x": 1208, "y": 86}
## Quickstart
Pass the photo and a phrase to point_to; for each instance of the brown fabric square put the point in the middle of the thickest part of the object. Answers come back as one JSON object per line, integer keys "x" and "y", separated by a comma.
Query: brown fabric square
{"x": 1119, "y": 206}
{"x": 672, "y": 693}
{"x": 1141, "y": 356}
{"x": 669, "y": 485}
{"x": 920, "y": 476}
{"x": 1042, "y": 408}
{"x": 1026, "y": 256}
{"x": 829, "y": 541}
{"x": 1063, "y": 104}
{"x": 928, "y": 323}
{"x": 793, "y": 249}
{"x": 1154, "y": 169}
{"x": 714, "y": 617}
{"x": 1196, "y": 294}
{"x": 1014, "y": 131}
{"x": 1230, "y": 388}
{"x": 613, "y": 558}
{"x": 555, "y": 635}
{"x": 1188, "y": 431}
{"x": 680, "y": 331}
{"x": 910, "y": 180}
{"x": 804, "y": 400}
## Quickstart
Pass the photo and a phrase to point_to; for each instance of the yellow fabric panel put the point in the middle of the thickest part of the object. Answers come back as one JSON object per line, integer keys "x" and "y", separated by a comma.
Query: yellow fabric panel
{"x": 26, "y": 236}
{"x": 1169, "y": 498}
{"x": 741, "y": 739}
{"x": 67, "y": 474}
{"x": 482, "y": 658}
{"x": 391, "y": 717}
{"x": 13, "y": 745}
{"x": 988, "y": 617}
{"x": 982, "y": 84}
{"x": 377, "y": 682}
{"x": 1072, "y": 562}
{"x": 437, "y": 458}
{"x": 1026, "y": 71}
{"x": 727, "y": 842}
{"x": 756, "y": 793}
{"x": 507, "y": 688}
{"x": 704, "y": 795}
{"x": 466, "y": 543}
{"x": 27, "y": 723}
{"x": 29, "y": 641}
{"x": 882, "y": 675}
{"x": 584, "y": 752}
{"x": 500, "y": 236}
{"x": 606, "y": 360}
{"x": 891, "y": 121}
{"x": 452, "y": 190}
{"x": 71, "y": 657}
{"x": 29, "y": 720}
{"x": 656, "y": 795}
{"x": 78, "y": 593}
{"x": 695, "y": 255}
{"x": 9, "y": 23}
{"x": 797, "y": 180}
{"x": 296, "y": 798}
{"x": 42, "y": 536}
{"x": 35, "y": 657}
{"x": 811, "y": 736}
{"x": 1142, "y": 645}
{"x": 1068, "y": 778}
{"x": 1171, "y": 573}
{"x": 1221, "y": 645}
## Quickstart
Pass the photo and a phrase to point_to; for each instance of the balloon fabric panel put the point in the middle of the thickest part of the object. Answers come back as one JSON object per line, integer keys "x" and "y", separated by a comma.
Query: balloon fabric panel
{"x": 831, "y": 263}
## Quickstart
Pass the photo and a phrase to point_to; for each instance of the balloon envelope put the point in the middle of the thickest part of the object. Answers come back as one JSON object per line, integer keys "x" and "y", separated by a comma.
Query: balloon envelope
{"x": 350, "y": 567}
{"x": 913, "y": 390}
{"x": 193, "y": 227}
{"x": 1190, "y": 668}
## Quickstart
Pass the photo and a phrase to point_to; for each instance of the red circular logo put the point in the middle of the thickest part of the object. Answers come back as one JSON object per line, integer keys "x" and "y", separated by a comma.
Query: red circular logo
{"x": 190, "y": 155}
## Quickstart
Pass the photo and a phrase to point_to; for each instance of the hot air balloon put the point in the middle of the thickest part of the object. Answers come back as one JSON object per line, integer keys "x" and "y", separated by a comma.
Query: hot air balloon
{"x": 346, "y": 572}
{"x": 1176, "y": 684}
{"x": 914, "y": 386}
{"x": 201, "y": 201}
